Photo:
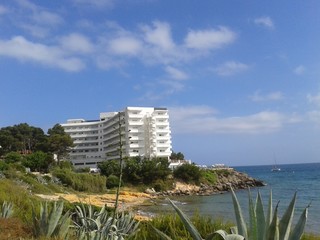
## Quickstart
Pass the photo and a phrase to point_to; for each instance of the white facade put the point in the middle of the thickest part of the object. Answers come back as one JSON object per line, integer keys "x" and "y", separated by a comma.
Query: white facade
{"x": 138, "y": 131}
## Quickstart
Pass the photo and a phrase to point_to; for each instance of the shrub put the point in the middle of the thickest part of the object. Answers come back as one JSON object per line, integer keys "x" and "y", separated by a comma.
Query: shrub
{"x": 13, "y": 157}
{"x": 161, "y": 185}
{"x": 154, "y": 169}
{"x": 188, "y": 173}
{"x": 81, "y": 181}
{"x": 38, "y": 161}
{"x": 112, "y": 181}
{"x": 208, "y": 177}
{"x": 109, "y": 167}
{"x": 3, "y": 166}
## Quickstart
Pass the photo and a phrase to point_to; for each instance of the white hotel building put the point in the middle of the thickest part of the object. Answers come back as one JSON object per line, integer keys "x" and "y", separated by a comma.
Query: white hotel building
{"x": 140, "y": 131}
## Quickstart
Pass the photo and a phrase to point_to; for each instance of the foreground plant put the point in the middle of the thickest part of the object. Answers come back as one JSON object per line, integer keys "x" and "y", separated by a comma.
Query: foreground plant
{"x": 51, "y": 223}
{"x": 6, "y": 210}
{"x": 194, "y": 232}
{"x": 263, "y": 226}
{"x": 99, "y": 225}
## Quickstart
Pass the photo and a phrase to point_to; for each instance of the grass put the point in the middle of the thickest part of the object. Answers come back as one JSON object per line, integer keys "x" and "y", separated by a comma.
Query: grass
{"x": 19, "y": 196}
{"x": 171, "y": 225}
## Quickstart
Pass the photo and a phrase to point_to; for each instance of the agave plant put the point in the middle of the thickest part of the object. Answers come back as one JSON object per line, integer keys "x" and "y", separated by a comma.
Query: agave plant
{"x": 6, "y": 210}
{"x": 98, "y": 225}
{"x": 194, "y": 232}
{"x": 51, "y": 223}
{"x": 264, "y": 226}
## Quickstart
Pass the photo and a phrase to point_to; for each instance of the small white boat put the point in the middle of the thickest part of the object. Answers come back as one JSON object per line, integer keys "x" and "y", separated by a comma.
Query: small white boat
{"x": 275, "y": 168}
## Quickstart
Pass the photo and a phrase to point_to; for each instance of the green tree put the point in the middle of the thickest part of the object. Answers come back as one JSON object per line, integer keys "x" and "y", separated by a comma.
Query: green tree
{"x": 177, "y": 156}
{"x": 109, "y": 167}
{"x": 59, "y": 141}
{"x": 132, "y": 171}
{"x": 155, "y": 169}
{"x": 188, "y": 173}
{"x": 38, "y": 161}
{"x": 21, "y": 138}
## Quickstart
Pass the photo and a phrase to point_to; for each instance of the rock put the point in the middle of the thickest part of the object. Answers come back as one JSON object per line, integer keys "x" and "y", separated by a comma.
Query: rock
{"x": 226, "y": 180}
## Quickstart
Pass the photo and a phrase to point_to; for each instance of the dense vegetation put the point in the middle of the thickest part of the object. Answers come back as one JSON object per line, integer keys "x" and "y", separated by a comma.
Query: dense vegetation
{"x": 25, "y": 148}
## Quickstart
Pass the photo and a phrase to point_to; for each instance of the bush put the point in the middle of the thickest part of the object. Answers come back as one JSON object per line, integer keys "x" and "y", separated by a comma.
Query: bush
{"x": 3, "y": 166}
{"x": 13, "y": 157}
{"x": 188, "y": 173}
{"x": 112, "y": 181}
{"x": 208, "y": 177}
{"x": 81, "y": 181}
{"x": 154, "y": 169}
{"x": 161, "y": 185}
{"x": 109, "y": 167}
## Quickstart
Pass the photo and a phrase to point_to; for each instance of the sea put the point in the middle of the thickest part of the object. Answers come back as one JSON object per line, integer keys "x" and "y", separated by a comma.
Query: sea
{"x": 301, "y": 178}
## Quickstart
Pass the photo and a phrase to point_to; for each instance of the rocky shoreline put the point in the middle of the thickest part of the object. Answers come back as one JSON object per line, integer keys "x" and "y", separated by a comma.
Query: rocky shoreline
{"x": 227, "y": 179}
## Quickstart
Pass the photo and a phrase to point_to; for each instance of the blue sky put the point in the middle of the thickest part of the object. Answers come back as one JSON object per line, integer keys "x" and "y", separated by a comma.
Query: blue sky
{"x": 240, "y": 78}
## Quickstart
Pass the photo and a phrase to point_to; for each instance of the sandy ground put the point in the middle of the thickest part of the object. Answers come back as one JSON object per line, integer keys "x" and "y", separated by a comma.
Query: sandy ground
{"x": 127, "y": 200}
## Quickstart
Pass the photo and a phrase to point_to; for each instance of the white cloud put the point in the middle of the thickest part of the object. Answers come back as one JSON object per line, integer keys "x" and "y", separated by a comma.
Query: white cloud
{"x": 171, "y": 87}
{"x": 176, "y": 73}
{"x": 76, "y": 43}
{"x": 159, "y": 35}
{"x": 314, "y": 116}
{"x": 231, "y": 68}
{"x": 209, "y": 39}
{"x": 3, "y": 10}
{"x": 202, "y": 120}
{"x": 314, "y": 99}
{"x": 39, "y": 15}
{"x": 48, "y": 18}
{"x": 125, "y": 46}
{"x": 273, "y": 96}
{"x": 264, "y": 21}
{"x": 24, "y": 50}
{"x": 95, "y": 3}
{"x": 299, "y": 70}
{"x": 36, "y": 31}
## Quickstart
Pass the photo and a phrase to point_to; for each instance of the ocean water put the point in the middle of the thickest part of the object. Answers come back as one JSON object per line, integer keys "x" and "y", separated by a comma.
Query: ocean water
{"x": 301, "y": 178}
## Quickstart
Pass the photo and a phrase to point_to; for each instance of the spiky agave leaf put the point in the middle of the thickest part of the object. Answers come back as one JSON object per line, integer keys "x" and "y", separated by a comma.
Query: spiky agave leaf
{"x": 241, "y": 225}
{"x": 297, "y": 232}
{"x": 43, "y": 219}
{"x": 54, "y": 217}
{"x": 225, "y": 235}
{"x": 268, "y": 214}
{"x": 162, "y": 235}
{"x": 252, "y": 218}
{"x": 6, "y": 210}
{"x": 126, "y": 224}
{"x": 273, "y": 230}
{"x": 286, "y": 220}
{"x": 261, "y": 221}
{"x": 187, "y": 223}
{"x": 63, "y": 227}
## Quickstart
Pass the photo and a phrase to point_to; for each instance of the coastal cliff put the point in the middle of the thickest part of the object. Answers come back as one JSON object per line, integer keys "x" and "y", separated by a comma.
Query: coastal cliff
{"x": 225, "y": 179}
